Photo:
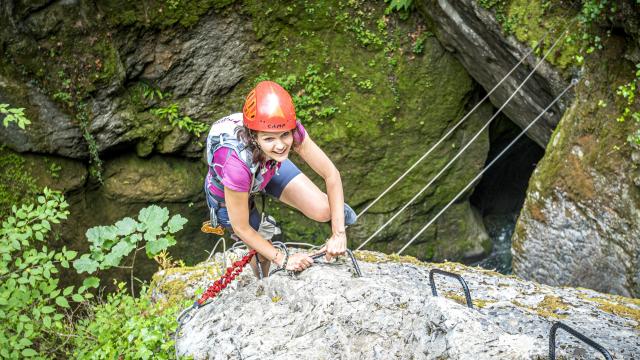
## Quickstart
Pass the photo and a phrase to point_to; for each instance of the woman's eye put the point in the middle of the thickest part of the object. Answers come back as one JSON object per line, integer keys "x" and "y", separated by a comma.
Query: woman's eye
{"x": 287, "y": 134}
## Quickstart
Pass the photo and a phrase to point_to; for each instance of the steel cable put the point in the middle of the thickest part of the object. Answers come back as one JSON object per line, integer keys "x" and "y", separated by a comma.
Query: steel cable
{"x": 572, "y": 84}
{"x": 466, "y": 146}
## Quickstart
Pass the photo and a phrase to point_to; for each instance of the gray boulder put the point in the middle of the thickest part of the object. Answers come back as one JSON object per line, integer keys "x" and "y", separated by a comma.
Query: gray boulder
{"x": 580, "y": 223}
{"x": 327, "y": 313}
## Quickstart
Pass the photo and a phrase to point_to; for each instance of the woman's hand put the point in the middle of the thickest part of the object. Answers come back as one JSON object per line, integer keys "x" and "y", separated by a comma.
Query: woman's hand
{"x": 335, "y": 246}
{"x": 299, "y": 262}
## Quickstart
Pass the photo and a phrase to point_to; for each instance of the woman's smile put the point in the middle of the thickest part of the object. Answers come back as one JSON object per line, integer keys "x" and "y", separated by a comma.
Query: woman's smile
{"x": 275, "y": 145}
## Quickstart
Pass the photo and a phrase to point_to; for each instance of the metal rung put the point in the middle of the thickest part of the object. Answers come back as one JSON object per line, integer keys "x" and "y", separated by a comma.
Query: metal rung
{"x": 579, "y": 336}
{"x": 467, "y": 294}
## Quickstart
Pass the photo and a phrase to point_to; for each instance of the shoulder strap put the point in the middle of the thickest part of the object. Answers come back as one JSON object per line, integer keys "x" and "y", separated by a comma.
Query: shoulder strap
{"x": 223, "y": 133}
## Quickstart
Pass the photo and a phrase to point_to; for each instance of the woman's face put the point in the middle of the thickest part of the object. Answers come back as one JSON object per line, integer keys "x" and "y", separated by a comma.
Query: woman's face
{"x": 275, "y": 145}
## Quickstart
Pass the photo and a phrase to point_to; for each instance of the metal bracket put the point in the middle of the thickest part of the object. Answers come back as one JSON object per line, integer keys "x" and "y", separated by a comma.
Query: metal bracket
{"x": 579, "y": 336}
{"x": 467, "y": 294}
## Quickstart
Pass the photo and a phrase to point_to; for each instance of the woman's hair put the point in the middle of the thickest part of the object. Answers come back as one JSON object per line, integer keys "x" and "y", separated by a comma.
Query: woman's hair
{"x": 249, "y": 137}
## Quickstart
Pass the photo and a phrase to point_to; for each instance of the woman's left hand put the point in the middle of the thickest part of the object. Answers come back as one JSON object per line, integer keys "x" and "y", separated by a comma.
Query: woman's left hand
{"x": 335, "y": 246}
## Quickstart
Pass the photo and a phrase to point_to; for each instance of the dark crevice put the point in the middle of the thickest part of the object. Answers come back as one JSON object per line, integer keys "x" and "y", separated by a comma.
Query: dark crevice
{"x": 500, "y": 194}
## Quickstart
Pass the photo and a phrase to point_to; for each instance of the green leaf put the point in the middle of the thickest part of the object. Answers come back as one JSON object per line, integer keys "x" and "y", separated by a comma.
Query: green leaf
{"x": 154, "y": 216}
{"x": 47, "y": 309}
{"x": 29, "y": 352}
{"x": 77, "y": 298}
{"x": 46, "y": 321}
{"x": 120, "y": 250}
{"x": 85, "y": 264}
{"x": 126, "y": 226}
{"x": 67, "y": 290}
{"x": 62, "y": 302}
{"x": 155, "y": 247}
{"x": 176, "y": 223}
{"x": 98, "y": 235}
{"x": 24, "y": 342}
{"x": 91, "y": 282}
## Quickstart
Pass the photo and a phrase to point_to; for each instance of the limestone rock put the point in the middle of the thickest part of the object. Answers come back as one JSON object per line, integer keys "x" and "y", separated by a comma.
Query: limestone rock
{"x": 580, "y": 224}
{"x": 51, "y": 132}
{"x": 325, "y": 312}
{"x": 132, "y": 179}
{"x": 477, "y": 40}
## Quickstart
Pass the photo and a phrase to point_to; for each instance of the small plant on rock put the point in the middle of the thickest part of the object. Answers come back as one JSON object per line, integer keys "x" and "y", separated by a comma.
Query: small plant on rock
{"x": 14, "y": 115}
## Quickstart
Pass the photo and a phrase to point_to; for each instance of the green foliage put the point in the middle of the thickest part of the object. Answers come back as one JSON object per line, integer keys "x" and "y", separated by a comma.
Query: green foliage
{"x": 171, "y": 113}
{"x": 54, "y": 169}
{"x": 30, "y": 299}
{"x": 501, "y": 12}
{"x": 629, "y": 92}
{"x": 418, "y": 46}
{"x": 14, "y": 115}
{"x": 95, "y": 163}
{"x": 308, "y": 92}
{"x": 365, "y": 36}
{"x": 125, "y": 327}
{"x": 110, "y": 244}
{"x": 16, "y": 181}
{"x": 151, "y": 93}
{"x": 365, "y": 84}
{"x": 399, "y": 5}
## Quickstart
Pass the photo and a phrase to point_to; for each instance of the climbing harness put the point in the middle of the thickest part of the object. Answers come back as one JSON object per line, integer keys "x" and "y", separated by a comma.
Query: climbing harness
{"x": 478, "y": 133}
{"x": 578, "y": 335}
{"x": 434, "y": 292}
{"x": 573, "y": 83}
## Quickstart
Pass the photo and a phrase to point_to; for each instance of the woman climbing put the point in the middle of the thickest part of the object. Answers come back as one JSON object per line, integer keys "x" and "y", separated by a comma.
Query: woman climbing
{"x": 248, "y": 153}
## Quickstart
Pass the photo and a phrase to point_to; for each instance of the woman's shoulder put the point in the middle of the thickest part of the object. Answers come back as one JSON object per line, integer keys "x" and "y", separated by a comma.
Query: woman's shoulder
{"x": 300, "y": 134}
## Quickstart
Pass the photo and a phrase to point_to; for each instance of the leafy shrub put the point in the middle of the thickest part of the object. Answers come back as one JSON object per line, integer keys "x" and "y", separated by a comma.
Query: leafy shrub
{"x": 110, "y": 244}
{"x": 125, "y": 327}
{"x": 30, "y": 299}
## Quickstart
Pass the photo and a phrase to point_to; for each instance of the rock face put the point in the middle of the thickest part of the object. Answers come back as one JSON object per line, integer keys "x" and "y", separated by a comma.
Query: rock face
{"x": 325, "y": 312}
{"x": 580, "y": 224}
{"x": 478, "y": 41}
{"x": 372, "y": 118}
{"x": 57, "y": 134}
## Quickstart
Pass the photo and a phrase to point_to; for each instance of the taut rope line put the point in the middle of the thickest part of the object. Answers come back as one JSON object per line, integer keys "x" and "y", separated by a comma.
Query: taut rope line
{"x": 573, "y": 83}
{"x": 466, "y": 146}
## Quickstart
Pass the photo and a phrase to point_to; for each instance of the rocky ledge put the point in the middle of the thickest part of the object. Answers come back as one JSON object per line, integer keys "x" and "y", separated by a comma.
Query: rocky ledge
{"x": 326, "y": 312}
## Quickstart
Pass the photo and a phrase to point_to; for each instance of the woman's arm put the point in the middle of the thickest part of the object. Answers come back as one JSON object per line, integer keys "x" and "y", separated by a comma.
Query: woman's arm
{"x": 237, "y": 204}
{"x": 323, "y": 166}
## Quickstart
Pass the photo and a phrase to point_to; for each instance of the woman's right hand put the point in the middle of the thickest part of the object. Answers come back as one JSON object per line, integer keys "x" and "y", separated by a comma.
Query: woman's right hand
{"x": 299, "y": 262}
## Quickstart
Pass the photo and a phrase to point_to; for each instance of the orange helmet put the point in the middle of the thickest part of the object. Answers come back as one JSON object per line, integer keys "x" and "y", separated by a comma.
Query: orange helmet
{"x": 269, "y": 107}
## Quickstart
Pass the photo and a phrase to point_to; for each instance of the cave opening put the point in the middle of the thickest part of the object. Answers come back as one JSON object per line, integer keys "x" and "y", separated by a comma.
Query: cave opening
{"x": 500, "y": 194}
